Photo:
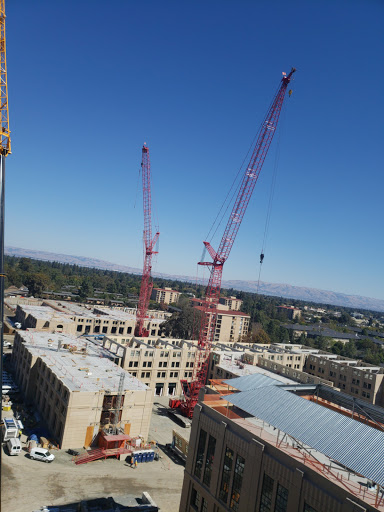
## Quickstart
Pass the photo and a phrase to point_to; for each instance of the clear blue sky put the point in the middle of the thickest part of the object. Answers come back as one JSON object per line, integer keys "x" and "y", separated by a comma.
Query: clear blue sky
{"x": 90, "y": 81}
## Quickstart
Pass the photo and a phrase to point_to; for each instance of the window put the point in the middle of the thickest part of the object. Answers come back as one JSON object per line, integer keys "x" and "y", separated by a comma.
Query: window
{"x": 209, "y": 460}
{"x": 195, "y": 499}
{"x": 200, "y": 453}
{"x": 266, "y": 494}
{"x": 237, "y": 483}
{"x": 204, "y": 505}
{"x": 281, "y": 499}
{"x": 226, "y": 476}
{"x": 307, "y": 508}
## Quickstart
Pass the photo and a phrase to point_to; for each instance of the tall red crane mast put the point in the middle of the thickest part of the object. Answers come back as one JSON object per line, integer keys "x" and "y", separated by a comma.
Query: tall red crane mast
{"x": 149, "y": 244}
{"x": 219, "y": 257}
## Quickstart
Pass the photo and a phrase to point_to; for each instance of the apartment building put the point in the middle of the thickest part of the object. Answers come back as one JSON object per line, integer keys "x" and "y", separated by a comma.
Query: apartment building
{"x": 290, "y": 312}
{"x": 230, "y": 326}
{"x": 356, "y": 378}
{"x": 52, "y": 316}
{"x": 73, "y": 385}
{"x": 165, "y": 295}
{"x": 265, "y": 446}
{"x": 227, "y": 361}
{"x": 232, "y": 303}
{"x": 44, "y": 318}
{"x": 292, "y": 356}
{"x": 158, "y": 362}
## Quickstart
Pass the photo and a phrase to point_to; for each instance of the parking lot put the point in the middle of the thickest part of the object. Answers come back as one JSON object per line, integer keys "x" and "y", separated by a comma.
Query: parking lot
{"x": 27, "y": 484}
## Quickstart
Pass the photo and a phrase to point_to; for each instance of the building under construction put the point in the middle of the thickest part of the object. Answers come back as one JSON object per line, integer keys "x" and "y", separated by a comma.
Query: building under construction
{"x": 78, "y": 390}
{"x": 258, "y": 443}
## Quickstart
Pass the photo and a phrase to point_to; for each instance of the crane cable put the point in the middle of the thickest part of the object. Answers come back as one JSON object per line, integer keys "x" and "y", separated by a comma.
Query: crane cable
{"x": 137, "y": 187}
{"x": 234, "y": 190}
{"x": 271, "y": 195}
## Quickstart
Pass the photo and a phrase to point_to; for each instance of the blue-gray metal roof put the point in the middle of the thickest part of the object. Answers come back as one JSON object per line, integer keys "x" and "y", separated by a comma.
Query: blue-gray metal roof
{"x": 353, "y": 444}
{"x": 255, "y": 381}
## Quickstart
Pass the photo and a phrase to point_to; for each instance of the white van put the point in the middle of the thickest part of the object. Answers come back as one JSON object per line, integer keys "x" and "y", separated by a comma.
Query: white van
{"x": 41, "y": 454}
{"x": 14, "y": 446}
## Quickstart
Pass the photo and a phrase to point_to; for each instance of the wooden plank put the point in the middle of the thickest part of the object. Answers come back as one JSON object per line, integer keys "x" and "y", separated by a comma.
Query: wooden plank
{"x": 88, "y": 437}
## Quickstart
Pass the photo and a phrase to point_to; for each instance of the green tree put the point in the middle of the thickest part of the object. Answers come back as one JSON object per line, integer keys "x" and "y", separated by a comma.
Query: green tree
{"x": 36, "y": 283}
{"x": 261, "y": 337}
{"x": 86, "y": 289}
{"x": 183, "y": 324}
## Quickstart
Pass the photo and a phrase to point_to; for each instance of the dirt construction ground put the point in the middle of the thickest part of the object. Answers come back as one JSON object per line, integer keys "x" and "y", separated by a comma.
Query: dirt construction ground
{"x": 27, "y": 484}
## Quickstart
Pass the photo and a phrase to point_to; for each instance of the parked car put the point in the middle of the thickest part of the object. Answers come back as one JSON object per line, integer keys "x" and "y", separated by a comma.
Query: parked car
{"x": 41, "y": 454}
{"x": 14, "y": 446}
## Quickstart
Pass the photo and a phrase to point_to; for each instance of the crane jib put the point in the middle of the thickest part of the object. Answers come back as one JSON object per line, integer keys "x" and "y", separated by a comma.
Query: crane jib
{"x": 212, "y": 294}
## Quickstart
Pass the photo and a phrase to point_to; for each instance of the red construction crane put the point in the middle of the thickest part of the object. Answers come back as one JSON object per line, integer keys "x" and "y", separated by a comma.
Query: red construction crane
{"x": 219, "y": 257}
{"x": 149, "y": 244}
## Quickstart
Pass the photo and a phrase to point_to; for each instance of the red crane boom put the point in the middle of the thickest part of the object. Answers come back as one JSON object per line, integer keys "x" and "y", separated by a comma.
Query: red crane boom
{"x": 212, "y": 294}
{"x": 149, "y": 244}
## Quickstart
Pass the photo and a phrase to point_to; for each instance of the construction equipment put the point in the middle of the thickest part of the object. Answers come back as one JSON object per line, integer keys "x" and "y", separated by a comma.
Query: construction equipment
{"x": 209, "y": 308}
{"x": 149, "y": 244}
{"x": 5, "y": 149}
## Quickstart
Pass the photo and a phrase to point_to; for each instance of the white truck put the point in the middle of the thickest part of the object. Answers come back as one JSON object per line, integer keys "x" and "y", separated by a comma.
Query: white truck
{"x": 11, "y": 429}
{"x": 14, "y": 446}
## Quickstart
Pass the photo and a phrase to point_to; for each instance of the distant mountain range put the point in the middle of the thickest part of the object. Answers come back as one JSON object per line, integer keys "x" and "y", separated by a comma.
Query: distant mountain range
{"x": 274, "y": 289}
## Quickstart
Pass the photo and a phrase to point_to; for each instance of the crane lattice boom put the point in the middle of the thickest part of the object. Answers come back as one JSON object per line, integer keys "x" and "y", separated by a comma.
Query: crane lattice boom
{"x": 212, "y": 294}
{"x": 5, "y": 139}
{"x": 149, "y": 244}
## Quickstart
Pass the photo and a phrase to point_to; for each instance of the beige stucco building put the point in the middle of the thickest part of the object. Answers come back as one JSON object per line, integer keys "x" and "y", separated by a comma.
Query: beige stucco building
{"x": 354, "y": 377}
{"x": 73, "y": 385}
{"x": 232, "y": 303}
{"x": 290, "y": 312}
{"x": 165, "y": 295}
{"x": 231, "y": 325}
{"x": 56, "y": 316}
{"x": 158, "y": 362}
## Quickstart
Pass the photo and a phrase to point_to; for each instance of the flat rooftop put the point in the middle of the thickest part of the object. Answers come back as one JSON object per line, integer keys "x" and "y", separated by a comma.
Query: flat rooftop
{"x": 45, "y": 313}
{"x": 240, "y": 369}
{"x": 78, "y": 363}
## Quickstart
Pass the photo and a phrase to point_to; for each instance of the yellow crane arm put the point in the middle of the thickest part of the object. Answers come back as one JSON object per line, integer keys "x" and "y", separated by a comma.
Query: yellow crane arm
{"x": 5, "y": 137}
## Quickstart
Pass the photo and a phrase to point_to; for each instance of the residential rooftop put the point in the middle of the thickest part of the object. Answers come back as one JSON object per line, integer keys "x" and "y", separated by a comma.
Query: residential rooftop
{"x": 80, "y": 364}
